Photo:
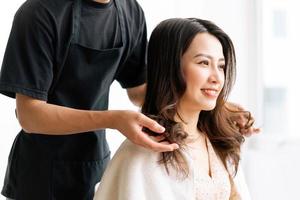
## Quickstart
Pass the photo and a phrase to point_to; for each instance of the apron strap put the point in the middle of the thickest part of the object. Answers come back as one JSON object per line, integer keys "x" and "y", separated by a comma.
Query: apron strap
{"x": 76, "y": 20}
{"x": 76, "y": 14}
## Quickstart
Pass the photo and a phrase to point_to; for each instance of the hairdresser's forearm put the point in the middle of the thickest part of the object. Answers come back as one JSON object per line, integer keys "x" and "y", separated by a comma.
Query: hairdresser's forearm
{"x": 37, "y": 116}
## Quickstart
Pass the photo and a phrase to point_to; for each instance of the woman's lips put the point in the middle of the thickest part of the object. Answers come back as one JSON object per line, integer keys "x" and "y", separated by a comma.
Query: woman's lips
{"x": 212, "y": 93}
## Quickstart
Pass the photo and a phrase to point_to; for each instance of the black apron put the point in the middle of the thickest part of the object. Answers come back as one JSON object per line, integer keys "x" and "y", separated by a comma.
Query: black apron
{"x": 45, "y": 167}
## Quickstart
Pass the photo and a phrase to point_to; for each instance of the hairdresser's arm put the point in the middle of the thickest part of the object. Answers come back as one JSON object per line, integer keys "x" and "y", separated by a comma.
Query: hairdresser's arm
{"x": 36, "y": 116}
{"x": 137, "y": 94}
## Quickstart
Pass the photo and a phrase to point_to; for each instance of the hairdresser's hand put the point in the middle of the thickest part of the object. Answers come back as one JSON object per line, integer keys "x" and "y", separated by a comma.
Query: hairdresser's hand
{"x": 241, "y": 120}
{"x": 130, "y": 124}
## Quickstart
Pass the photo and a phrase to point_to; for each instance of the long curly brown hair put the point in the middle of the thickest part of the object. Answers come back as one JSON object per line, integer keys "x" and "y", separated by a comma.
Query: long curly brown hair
{"x": 166, "y": 85}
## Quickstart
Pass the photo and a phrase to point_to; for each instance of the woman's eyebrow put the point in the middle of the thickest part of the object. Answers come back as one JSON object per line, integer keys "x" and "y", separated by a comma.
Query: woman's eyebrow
{"x": 207, "y": 56}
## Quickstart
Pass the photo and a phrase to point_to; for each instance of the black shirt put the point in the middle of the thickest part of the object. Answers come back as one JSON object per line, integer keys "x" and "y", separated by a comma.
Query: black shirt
{"x": 36, "y": 63}
{"x": 98, "y": 25}
{"x": 39, "y": 37}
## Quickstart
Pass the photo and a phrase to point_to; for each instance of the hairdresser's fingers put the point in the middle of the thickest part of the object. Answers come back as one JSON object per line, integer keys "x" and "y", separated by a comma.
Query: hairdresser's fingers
{"x": 165, "y": 142}
{"x": 255, "y": 130}
{"x": 250, "y": 131}
{"x": 150, "y": 124}
{"x": 158, "y": 138}
{"x": 242, "y": 120}
{"x": 145, "y": 141}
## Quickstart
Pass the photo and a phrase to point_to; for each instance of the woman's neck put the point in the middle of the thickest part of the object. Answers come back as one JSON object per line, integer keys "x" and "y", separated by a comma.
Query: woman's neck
{"x": 189, "y": 121}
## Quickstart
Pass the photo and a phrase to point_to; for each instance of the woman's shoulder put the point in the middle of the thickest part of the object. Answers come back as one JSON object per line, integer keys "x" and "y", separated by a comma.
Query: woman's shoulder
{"x": 134, "y": 173}
{"x": 131, "y": 163}
{"x": 129, "y": 152}
{"x": 128, "y": 148}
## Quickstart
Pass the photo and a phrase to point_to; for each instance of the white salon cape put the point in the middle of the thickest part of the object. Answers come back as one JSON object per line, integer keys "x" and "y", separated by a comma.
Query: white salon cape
{"x": 134, "y": 174}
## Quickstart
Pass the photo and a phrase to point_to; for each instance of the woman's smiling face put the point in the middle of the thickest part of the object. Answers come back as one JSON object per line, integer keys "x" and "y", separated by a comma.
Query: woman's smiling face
{"x": 203, "y": 67}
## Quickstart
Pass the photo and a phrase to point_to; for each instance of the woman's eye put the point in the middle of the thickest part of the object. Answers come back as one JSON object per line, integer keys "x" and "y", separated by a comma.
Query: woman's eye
{"x": 203, "y": 62}
{"x": 222, "y": 66}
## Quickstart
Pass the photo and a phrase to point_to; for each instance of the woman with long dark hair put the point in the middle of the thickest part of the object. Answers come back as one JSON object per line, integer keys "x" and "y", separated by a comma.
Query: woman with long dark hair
{"x": 191, "y": 71}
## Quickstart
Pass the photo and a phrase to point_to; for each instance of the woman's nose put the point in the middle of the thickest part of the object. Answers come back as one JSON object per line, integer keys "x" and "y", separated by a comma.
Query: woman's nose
{"x": 216, "y": 74}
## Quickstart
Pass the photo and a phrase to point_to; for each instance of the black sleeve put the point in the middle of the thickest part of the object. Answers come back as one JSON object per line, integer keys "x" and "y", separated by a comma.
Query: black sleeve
{"x": 133, "y": 72}
{"x": 28, "y": 59}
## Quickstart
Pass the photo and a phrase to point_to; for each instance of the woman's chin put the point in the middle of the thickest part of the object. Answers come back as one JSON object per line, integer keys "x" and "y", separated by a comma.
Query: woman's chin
{"x": 209, "y": 107}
